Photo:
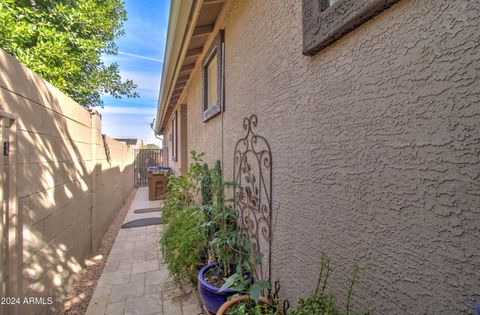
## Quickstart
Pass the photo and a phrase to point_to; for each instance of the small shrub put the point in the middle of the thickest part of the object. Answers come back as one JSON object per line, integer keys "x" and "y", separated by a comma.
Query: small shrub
{"x": 198, "y": 229}
{"x": 321, "y": 302}
{"x": 183, "y": 240}
{"x": 220, "y": 223}
{"x": 250, "y": 308}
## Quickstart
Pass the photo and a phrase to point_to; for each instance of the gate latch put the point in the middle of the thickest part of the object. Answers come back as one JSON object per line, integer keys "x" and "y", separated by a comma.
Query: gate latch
{"x": 6, "y": 148}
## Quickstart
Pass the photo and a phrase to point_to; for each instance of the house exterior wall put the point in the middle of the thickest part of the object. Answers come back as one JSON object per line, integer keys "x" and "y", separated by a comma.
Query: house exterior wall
{"x": 375, "y": 143}
{"x": 189, "y": 137}
{"x": 183, "y": 138}
{"x": 175, "y": 165}
{"x": 71, "y": 182}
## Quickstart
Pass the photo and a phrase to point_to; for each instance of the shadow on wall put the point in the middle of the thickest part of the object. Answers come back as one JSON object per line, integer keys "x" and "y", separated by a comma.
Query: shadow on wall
{"x": 68, "y": 189}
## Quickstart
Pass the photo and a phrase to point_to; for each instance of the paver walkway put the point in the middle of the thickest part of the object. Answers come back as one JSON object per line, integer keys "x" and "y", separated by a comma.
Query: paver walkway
{"x": 134, "y": 280}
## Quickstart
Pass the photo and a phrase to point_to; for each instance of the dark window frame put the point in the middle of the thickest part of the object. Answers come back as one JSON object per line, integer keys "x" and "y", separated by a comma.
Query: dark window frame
{"x": 217, "y": 49}
{"x": 323, "y": 23}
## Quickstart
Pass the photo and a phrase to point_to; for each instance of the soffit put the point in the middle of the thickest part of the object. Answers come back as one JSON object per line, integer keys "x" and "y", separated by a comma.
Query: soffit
{"x": 202, "y": 24}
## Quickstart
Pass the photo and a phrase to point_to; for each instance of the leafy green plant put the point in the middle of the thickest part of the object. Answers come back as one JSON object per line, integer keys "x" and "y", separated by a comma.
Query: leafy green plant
{"x": 183, "y": 241}
{"x": 184, "y": 189}
{"x": 211, "y": 225}
{"x": 218, "y": 185}
{"x": 196, "y": 231}
{"x": 220, "y": 218}
{"x": 243, "y": 281}
{"x": 224, "y": 245}
{"x": 251, "y": 308}
{"x": 207, "y": 203}
{"x": 321, "y": 302}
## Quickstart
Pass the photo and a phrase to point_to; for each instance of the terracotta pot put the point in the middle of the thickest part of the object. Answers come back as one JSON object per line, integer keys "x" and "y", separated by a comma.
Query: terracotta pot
{"x": 226, "y": 306}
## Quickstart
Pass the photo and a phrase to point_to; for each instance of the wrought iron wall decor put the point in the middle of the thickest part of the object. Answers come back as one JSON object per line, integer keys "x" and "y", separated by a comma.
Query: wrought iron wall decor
{"x": 252, "y": 165}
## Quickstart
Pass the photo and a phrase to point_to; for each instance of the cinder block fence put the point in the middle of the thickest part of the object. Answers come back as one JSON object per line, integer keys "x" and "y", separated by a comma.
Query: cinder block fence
{"x": 62, "y": 183}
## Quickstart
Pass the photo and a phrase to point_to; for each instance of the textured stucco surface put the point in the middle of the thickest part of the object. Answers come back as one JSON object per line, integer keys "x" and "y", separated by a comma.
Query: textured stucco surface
{"x": 376, "y": 148}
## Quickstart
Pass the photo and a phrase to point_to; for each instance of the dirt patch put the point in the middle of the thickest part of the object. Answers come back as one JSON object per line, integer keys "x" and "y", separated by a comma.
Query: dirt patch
{"x": 77, "y": 301}
{"x": 215, "y": 276}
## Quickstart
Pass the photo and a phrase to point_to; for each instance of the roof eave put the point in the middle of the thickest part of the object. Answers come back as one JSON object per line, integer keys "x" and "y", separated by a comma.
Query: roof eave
{"x": 180, "y": 20}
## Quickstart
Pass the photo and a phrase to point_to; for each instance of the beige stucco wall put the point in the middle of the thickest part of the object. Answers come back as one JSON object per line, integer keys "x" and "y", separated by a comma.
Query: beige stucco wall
{"x": 68, "y": 189}
{"x": 184, "y": 153}
{"x": 376, "y": 146}
{"x": 168, "y": 136}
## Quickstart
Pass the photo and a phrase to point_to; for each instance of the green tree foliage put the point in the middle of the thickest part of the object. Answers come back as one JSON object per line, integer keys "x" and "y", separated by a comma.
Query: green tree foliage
{"x": 63, "y": 40}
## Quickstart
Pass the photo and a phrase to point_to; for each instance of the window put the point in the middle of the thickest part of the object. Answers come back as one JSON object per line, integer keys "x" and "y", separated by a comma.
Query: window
{"x": 325, "y": 21}
{"x": 174, "y": 137}
{"x": 212, "y": 83}
{"x": 213, "y": 80}
{"x": 324, "y": 4}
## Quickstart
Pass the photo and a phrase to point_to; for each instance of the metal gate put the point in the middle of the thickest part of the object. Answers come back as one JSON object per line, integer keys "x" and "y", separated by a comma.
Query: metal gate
{"x": 144, "y": 158}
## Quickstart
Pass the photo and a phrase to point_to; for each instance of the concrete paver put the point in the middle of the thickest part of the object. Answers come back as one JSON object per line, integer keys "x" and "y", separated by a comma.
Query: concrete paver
{"x": 134, "y": 280}
{"x": 117, "y": 308}
{"x": 144, "y": 266}
{"x": 145, "y": 304}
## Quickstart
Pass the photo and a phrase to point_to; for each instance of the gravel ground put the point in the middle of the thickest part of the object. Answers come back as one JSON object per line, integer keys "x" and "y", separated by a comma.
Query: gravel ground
{"x": 77, "y": 301}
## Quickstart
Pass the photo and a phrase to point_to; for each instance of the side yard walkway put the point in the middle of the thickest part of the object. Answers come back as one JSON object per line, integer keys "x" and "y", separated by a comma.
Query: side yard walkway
{"x": 134, "y": 280}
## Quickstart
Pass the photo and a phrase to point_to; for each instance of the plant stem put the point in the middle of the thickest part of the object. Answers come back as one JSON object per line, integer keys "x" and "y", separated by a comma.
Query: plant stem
{"x": 321, "y": 273}
{"x": 350, "y": 289}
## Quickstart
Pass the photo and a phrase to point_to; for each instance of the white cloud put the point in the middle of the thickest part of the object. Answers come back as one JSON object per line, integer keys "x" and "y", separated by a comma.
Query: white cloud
{"x": 123, "y": 53}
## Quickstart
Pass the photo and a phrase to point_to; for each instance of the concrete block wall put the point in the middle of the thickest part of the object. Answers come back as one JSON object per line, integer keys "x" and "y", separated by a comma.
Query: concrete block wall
{"x": 71, "y": 182}
{"x": 113, "y": 183}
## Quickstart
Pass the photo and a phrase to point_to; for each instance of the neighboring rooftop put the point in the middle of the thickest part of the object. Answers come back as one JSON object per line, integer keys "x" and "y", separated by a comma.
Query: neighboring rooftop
{"x": 131, "y": 141}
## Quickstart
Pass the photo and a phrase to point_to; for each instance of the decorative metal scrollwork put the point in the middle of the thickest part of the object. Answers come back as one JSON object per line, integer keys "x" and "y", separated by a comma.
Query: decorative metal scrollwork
{"x": 252, "y": 165}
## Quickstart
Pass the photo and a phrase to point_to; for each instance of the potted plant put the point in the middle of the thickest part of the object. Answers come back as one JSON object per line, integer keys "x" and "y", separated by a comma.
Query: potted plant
{"x": 245, "y": 305}
{"x": 221, "y": 234}
{"x": 212, "y": 295}
{"x": 248, "y": 299}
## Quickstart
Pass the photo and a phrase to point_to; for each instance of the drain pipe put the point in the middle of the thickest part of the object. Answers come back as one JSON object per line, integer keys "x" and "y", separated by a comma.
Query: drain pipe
{"x": 222, "y": 109}
{"x": 155, "y": 133}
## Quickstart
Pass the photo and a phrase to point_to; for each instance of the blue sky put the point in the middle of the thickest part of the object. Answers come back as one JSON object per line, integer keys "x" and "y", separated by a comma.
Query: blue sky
{"x": 140, "y": 58}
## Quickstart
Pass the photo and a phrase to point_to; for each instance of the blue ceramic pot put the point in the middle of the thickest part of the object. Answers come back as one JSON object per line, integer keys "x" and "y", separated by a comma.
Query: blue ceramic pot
{"x": 211, "y": 296}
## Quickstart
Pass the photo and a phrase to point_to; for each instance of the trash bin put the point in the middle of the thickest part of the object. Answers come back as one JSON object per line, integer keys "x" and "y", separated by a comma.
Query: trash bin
{"x": 157, "y": 182}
